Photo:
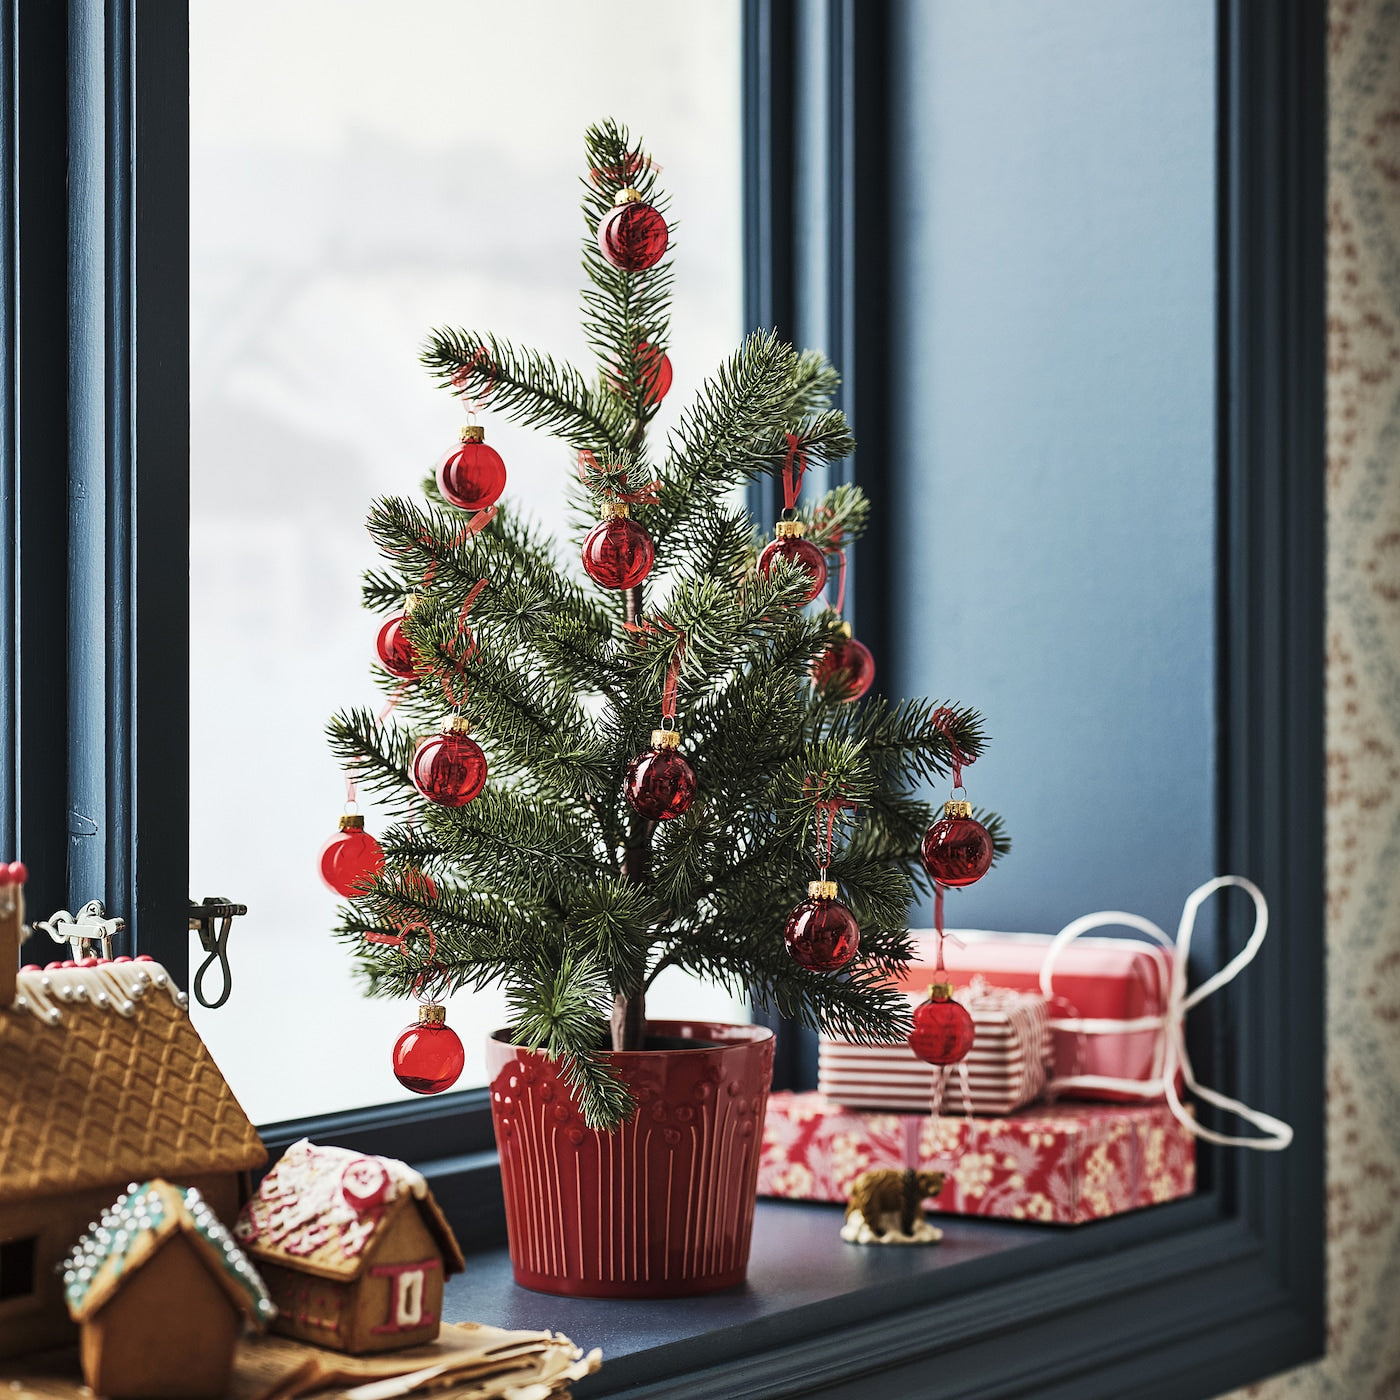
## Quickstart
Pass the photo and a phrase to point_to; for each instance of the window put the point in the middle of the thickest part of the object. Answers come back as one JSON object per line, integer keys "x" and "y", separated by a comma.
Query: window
{"x": 396, "y": 173}
{"x": 1185, "y": 1300}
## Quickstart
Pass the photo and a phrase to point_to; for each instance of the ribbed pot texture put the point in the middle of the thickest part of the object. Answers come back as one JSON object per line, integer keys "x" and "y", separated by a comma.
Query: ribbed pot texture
{"x": 663, "y": 1206}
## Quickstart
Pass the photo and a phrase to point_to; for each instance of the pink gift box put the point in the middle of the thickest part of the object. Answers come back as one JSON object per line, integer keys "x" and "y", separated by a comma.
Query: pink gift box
{"x": 1101, "y": 979}
{"x": 1062, "y": 1164}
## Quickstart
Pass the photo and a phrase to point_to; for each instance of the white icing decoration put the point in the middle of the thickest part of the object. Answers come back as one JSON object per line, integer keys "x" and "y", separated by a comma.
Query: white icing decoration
{"x": 140, "y": 1209}
{"x": 109, "y": 987}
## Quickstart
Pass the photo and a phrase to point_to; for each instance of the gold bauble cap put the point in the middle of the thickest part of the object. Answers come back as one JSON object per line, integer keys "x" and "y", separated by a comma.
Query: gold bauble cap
{"x": 821, "y": 889}
{"x": 456, "y": 724}
{"x": 352, "y": 821}
{"x": 957, "y": 809}
{"x": 941, "y": 991}
{"x": 431, "y": 1014}
{"x": 410, "y": 601}
{"x": 473, "y": 432}
{"x": 844, "y": 628}
{"x": 615, "y": 510}
{"x": 628, "y": 196}
{"x": 789, "y": 530}
{"x": 665, "y": 739}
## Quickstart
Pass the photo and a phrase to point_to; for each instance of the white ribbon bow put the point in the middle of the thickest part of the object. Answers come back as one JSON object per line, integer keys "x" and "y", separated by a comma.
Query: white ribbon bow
{"x": 1277, "y": 1134}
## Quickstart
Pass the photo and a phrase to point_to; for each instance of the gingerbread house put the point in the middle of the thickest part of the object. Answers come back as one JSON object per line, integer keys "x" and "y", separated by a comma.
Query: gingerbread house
{"x": 103, "y": 1081}
{"x": 354, "y": 1249}
{"x": 161, "y": 1292}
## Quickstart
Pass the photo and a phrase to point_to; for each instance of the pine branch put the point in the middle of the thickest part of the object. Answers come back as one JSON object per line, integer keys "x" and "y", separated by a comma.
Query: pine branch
{"x": 611, "y": 922}
{"x": 528, "y": 386}
{"x": 558, "y": 1009}
{"x": 622, "y": 311}
{"x": 505, "y": 839}
{"x": 375, "y": 755}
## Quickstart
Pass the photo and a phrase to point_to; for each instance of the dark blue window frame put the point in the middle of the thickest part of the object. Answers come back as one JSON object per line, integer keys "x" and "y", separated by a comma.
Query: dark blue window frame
{"x": 1189, "y": 1299}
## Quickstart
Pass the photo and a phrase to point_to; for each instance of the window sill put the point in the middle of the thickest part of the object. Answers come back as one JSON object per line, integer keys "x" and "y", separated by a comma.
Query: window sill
{"x": 1171, "y": 1301}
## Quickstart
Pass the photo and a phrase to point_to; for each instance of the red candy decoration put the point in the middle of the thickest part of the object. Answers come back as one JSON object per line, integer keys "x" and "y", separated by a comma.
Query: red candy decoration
{"x": 660, "y": 782}
{"x": 957, "y": 849}
{"x": 449, "y": 768}
{"x": 15, "y": 873}
{"x": 428, "y": 1056}
{"x": 351, "y": 859}
{"x": 364, "y": 1184}
{"x": 790, "y": 545}
{"x": 472, "y": 476}
{"x": 943, "y": 1028}
{"x": 618, "y": 552}
{"x": 633, "y": 234}
{"x": 821, "y": 933}
{"x": 845, "y": 670}
{"x": 395, "y": 650}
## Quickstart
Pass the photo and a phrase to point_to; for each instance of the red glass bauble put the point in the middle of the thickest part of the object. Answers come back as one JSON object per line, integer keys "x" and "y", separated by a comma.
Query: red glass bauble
{"x": 798, "y": 551}
{"x": 618, "y": 553}
{"x": 471, "y": 476}
{"x": 957, "y": 848}
{"x": 654, "y": 375}
{"x": 351, "y": 859}
{"x": 428, "y": 1056}
{"x": 632, "y": 235}
{"x": 418, "y": 883}
{"x": 845, "y": 670}
{"x": 396, "y": 651}
{"x": 943, "y": 1029}
{"x": 821, "y": 933}
{"x": 660, "y": 783}
{"x": 449, "y": 768}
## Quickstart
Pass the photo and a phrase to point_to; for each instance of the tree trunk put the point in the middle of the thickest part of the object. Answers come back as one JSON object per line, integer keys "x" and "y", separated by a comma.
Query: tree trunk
{"x": 629, "y": 1013}
{"x": 629, "y": 1020}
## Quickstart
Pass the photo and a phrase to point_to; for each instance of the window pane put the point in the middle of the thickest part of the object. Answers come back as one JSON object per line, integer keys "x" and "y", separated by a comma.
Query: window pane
{"x": 360, "y": 173}
{"x": 1053, "y": 292}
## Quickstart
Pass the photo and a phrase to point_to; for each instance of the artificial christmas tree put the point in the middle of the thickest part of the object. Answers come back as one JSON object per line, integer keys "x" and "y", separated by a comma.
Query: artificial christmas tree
{"x": 574, "y": 876}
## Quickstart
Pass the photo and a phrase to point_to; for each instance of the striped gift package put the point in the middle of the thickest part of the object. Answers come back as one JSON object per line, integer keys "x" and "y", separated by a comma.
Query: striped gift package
{"x": 1005, "y": 1070}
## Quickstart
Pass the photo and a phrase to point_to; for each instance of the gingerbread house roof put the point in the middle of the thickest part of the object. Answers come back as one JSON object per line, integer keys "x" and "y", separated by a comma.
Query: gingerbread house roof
{"x": 130, "y": 1235}
{"x": 320, "y": 1209}
{"x": 104, "y": 1079}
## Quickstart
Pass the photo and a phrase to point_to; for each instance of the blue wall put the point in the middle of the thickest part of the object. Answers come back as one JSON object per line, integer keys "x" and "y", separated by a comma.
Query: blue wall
{"x": 1053, "y": 433}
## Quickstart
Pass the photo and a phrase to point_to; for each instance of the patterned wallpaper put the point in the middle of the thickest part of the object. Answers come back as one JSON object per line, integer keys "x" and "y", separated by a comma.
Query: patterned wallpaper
{"x": 1363, "y": 713}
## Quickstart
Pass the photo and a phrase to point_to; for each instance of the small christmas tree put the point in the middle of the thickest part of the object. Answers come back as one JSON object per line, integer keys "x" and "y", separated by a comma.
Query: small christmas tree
{"x": 553, "y": 881}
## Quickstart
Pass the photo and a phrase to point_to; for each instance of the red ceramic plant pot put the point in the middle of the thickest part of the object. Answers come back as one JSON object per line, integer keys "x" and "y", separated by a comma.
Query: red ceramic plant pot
{"x": 663, "y": 1206}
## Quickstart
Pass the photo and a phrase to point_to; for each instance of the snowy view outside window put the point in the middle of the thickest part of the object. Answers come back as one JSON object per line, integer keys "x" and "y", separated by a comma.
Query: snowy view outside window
{"x": 361, "y": 172}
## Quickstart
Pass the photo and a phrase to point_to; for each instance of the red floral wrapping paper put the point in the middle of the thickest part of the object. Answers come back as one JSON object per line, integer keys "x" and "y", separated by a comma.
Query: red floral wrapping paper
{"x": 1063, "y": 1164}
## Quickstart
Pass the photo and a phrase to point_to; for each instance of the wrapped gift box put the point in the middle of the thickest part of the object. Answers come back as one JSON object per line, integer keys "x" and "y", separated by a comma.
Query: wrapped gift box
{"x": 1005, "y": 1069}
{"x": 1062, "y": 1164}
{"x": 1099, "y": 979}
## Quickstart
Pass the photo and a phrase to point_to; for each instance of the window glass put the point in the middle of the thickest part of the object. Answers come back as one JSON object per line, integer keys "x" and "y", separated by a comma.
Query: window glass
{"x": 1053, "y": 371}
{"x": 360, "y": 173}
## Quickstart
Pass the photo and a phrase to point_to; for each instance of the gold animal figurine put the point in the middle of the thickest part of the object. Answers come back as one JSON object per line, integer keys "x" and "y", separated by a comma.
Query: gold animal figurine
{"x": 887, "y": 1207}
